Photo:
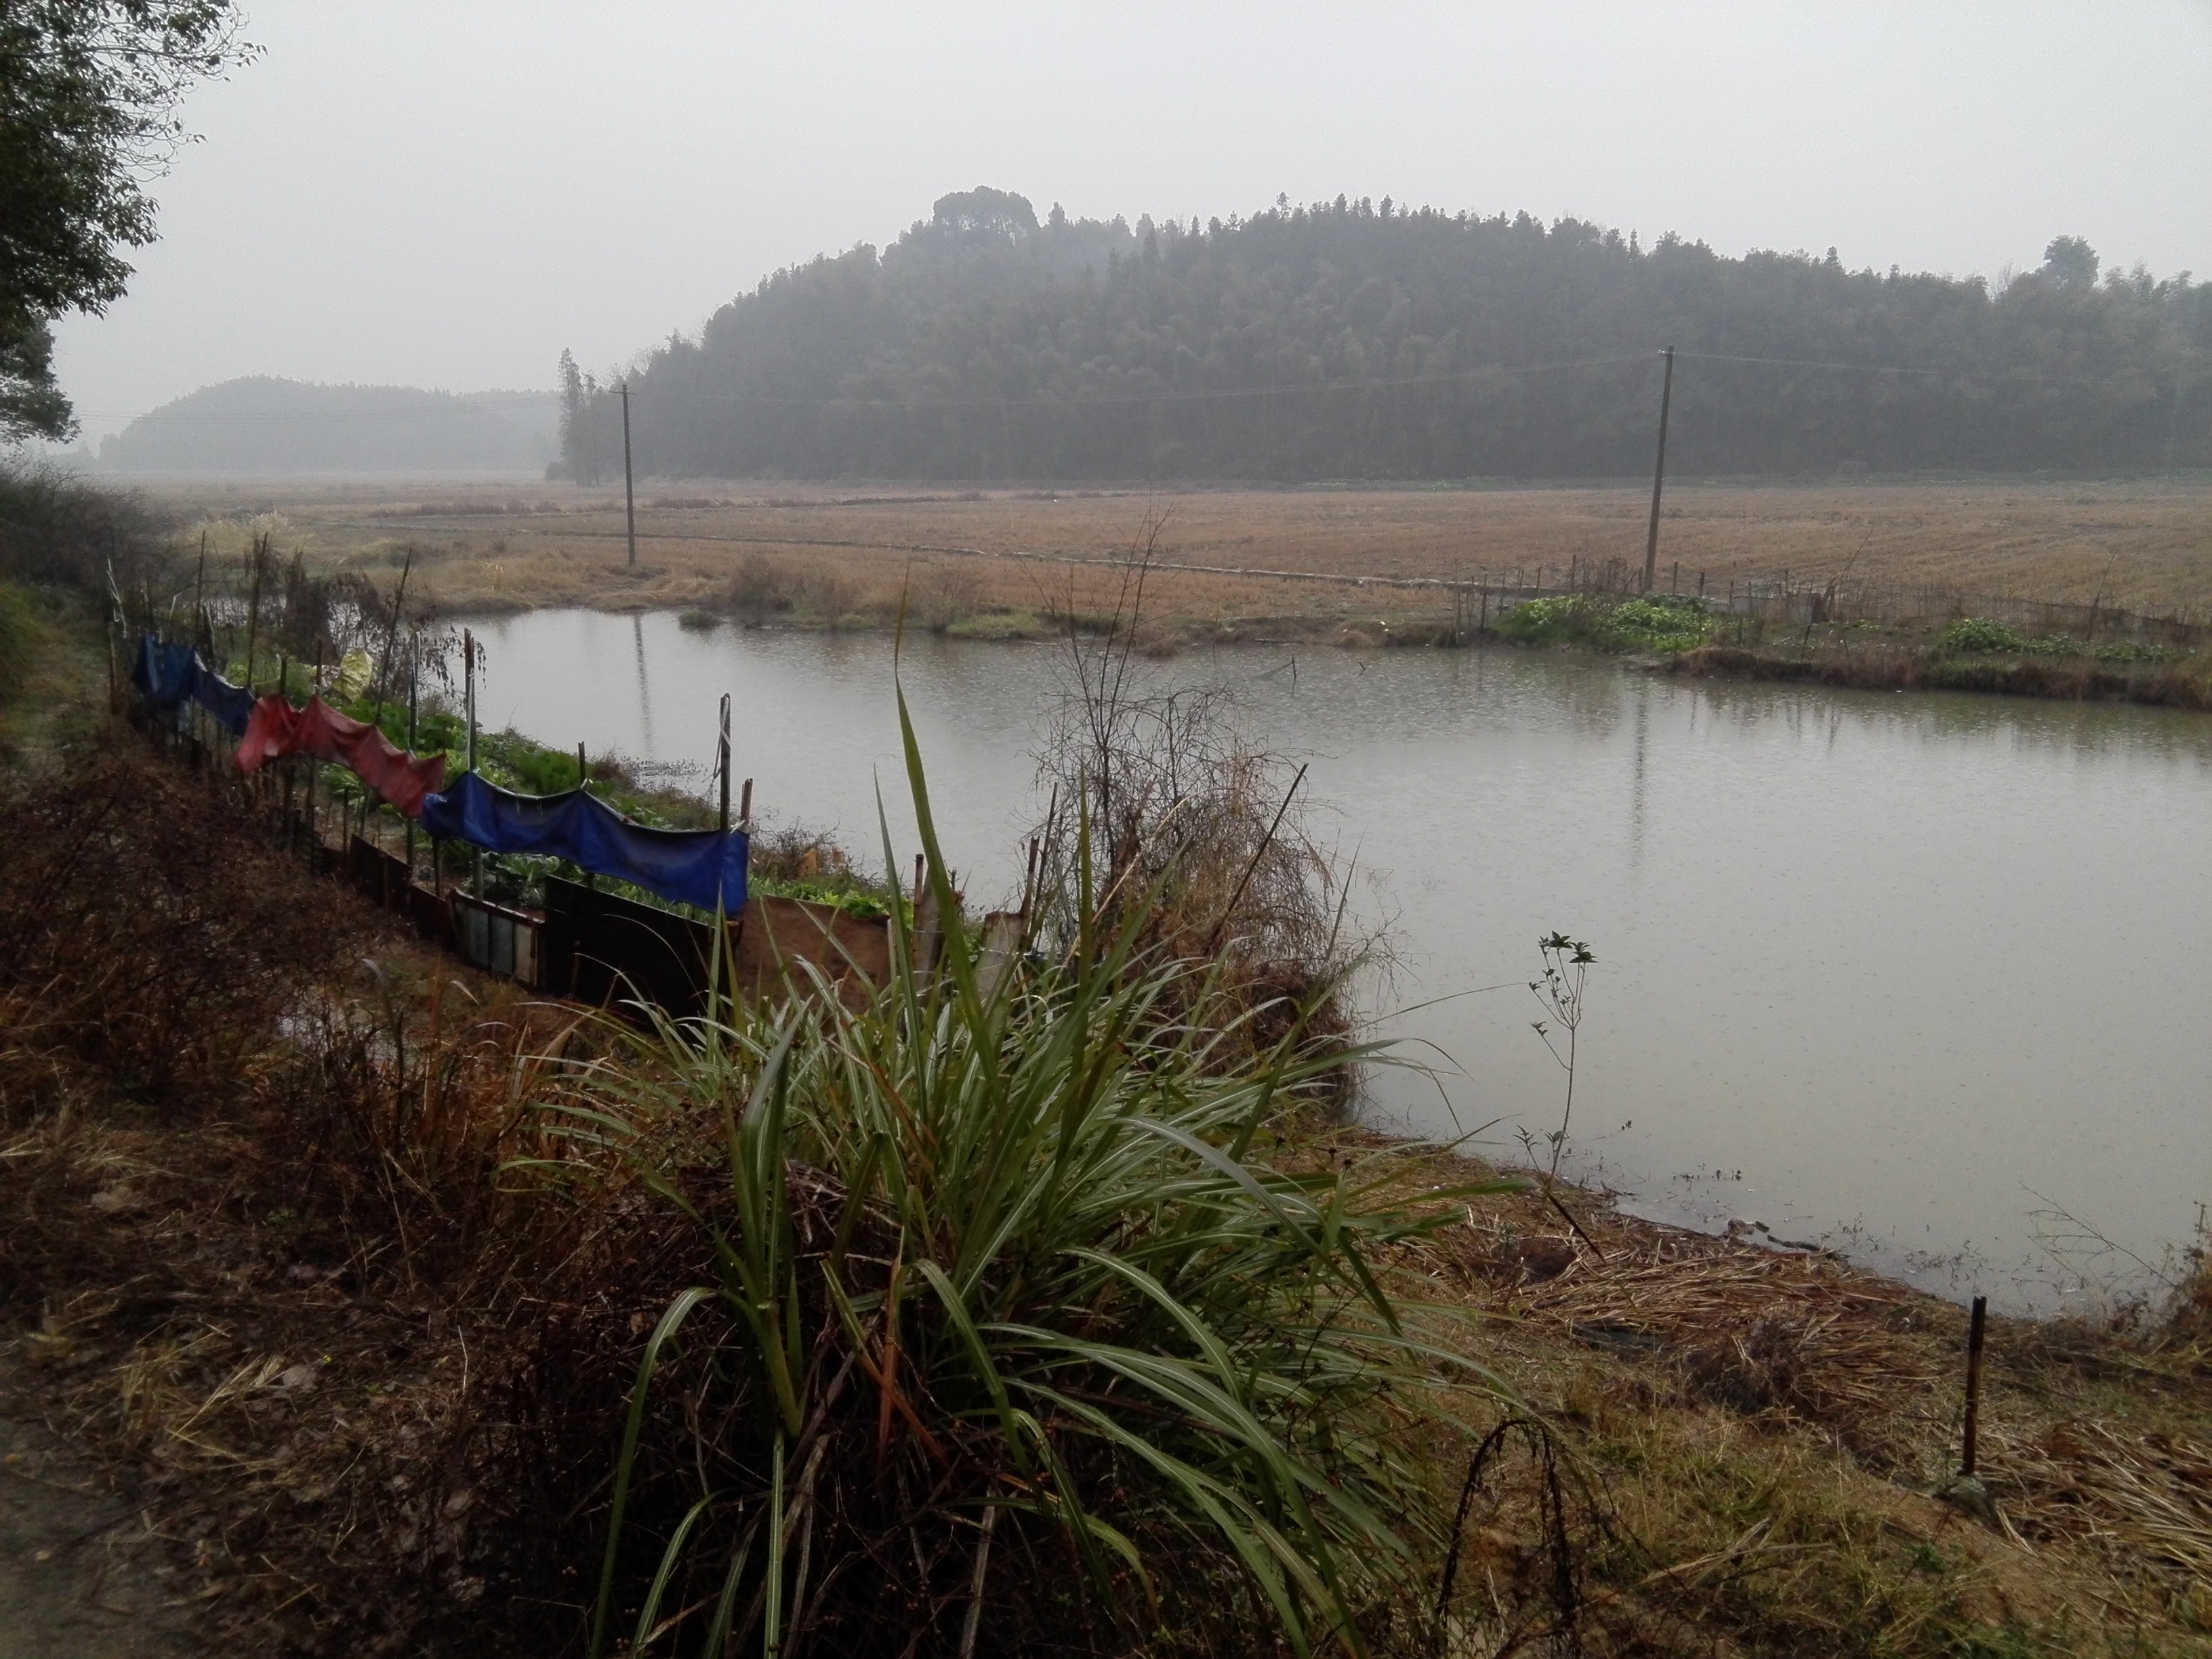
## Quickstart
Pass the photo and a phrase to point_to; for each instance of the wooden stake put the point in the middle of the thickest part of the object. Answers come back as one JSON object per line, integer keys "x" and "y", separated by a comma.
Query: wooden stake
{"x": 1029, "y": 876}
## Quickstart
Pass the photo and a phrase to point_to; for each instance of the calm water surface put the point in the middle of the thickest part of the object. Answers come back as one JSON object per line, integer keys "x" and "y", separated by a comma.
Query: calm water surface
{"x": 1929, "y": 976}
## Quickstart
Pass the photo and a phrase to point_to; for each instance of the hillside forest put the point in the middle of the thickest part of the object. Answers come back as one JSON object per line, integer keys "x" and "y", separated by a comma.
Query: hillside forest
{"x": 1357, "y": 339}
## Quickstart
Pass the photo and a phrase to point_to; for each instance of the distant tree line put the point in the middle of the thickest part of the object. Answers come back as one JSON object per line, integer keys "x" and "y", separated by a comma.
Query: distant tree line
{"x": 260, "y": 424}
{"x": 1358, "y": 340}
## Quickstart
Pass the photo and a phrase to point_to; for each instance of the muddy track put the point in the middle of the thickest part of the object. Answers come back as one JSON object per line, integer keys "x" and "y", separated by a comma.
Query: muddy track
{"x": 80, "y": 1576}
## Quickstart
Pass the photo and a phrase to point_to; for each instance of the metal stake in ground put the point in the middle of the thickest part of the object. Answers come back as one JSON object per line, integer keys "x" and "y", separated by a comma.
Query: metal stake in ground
{"x": 1974, "y": 1331}
{"x": 1658, "y": 475}
{"x": 1965, "y": 1489}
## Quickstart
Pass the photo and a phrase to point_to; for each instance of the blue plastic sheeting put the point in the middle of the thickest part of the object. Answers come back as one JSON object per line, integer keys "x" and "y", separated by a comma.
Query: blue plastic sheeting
{"x": 165, "y": 671}
{"x": 231, "y": 705}
{"x": 701, "y": 867}
{"x": 170, "y": 672}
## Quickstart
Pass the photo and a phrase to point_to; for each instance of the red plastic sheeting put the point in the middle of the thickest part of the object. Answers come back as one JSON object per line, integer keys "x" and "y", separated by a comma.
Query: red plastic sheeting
{"x": 277, "y": 729}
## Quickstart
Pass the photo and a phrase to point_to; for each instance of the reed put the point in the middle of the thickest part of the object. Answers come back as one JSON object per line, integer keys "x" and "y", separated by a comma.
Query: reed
{"x": 1007, "y": 1316}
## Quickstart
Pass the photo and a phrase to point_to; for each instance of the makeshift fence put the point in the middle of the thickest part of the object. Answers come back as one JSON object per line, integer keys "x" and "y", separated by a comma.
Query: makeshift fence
{"x": 589, "y": 944}
{"x": 1789, "y": 597}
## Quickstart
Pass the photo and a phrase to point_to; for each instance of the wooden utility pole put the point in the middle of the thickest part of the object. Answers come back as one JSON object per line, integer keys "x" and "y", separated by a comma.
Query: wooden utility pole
{"x": 1658, "y": 475}
{"x": 630, "y": 486}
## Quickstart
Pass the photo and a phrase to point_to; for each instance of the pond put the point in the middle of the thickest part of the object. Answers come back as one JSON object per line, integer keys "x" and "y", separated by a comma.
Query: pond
{"x": 1926, "y": 977}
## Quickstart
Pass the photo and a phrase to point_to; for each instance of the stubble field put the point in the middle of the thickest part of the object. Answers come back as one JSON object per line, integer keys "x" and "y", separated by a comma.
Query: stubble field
{"x": 1302, "y": 558}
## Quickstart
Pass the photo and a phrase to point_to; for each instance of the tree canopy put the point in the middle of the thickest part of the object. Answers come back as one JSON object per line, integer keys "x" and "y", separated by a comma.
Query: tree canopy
{"x": 1351, "y": 339}
{"x": 89, "y": 91}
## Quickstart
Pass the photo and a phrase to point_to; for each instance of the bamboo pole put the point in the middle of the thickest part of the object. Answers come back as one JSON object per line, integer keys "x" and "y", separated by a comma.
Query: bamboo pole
{"x": 253, "y": 614}
{"x": 469, "y": 693}
{"x": 414, "y": 705}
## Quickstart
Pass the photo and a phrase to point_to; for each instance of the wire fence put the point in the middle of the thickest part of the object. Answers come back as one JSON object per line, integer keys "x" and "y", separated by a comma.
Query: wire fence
{"x": 1785, "y": 598}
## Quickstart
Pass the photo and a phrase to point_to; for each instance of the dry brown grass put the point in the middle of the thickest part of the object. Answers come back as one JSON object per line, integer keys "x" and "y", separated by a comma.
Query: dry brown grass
{"x": 2141, "y": 545}
{"x": 1759, "y": 1430}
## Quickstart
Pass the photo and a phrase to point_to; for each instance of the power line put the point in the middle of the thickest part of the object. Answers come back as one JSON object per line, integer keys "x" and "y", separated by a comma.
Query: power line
{"x": 547, "y": 400}
{"x": 1200, "y": 395}
{"x": 459, "y": 407}
{"x": 1806, "y": 362}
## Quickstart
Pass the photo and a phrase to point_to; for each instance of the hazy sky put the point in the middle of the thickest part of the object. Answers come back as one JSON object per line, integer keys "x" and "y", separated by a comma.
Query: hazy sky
{"x": 447, "y": 195}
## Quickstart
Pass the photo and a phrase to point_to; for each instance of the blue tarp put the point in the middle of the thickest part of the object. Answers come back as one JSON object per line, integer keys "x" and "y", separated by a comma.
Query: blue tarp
{"x": 231, "y": 705}
{"x": 165, "y": 671}
{"x": 170, "y": 672}
{"x": 701, "y": 867}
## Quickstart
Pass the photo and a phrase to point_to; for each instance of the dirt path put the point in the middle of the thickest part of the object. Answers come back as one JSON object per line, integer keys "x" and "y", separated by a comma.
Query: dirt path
{"x": 79, "y": 1577}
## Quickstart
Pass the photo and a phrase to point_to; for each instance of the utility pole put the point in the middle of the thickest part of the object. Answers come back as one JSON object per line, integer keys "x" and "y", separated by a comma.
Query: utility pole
{"x": 629, "y": 488}
{"x": 2172, "y": 419}
{"x": 1658, "y": 475}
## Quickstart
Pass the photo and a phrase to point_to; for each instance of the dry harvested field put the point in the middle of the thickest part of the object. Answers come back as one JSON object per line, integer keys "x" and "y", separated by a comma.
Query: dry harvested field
{"x": 2142, "y": 546}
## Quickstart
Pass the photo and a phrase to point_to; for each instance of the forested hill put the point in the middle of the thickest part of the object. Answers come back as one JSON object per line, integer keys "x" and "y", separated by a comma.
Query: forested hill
{"x": 261, "y": 425}
{"x": 1353, "y": 339}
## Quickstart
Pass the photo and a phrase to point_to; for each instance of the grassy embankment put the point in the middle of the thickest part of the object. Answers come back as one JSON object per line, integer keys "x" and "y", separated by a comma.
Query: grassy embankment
{"x": 287, "y": 1235}
{"x": 1972, "y": 653}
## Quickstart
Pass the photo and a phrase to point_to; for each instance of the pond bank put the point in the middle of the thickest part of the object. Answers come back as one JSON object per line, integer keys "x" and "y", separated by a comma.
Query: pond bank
{"x": 2071, "y": 680}
{"x": 303, "y": 1371}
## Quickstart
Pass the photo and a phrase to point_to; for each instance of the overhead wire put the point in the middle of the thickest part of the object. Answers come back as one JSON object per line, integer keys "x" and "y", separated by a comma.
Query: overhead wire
{"x": 1164, "y": 395}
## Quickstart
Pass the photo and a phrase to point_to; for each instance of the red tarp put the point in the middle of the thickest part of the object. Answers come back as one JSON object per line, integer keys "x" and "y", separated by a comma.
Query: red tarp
{"x": 277, "y": 729}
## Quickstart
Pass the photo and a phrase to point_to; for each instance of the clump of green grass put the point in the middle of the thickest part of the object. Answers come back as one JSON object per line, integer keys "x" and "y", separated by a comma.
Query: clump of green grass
{"x": 1977, "y": 636}
{"x": 698, "y": 620}
{"x": 1660, "y": 621}
{"x": 1007, "y": 1317}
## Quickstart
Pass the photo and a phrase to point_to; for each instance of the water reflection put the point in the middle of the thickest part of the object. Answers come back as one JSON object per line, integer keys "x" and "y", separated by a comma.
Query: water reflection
{"x": 644, "y": 690}
{"x": 1897, "y": 959}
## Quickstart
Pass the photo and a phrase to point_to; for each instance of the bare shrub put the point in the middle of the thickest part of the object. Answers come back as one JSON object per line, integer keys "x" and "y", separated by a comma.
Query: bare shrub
{"x": 946, "y": 592}
{"x": 824, "y": 593}
{"x": 152, "y": 947}
{"x": 760, "y": 588}
{"x": 1197, "y": 839}
{"x": 56, "y": 528}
